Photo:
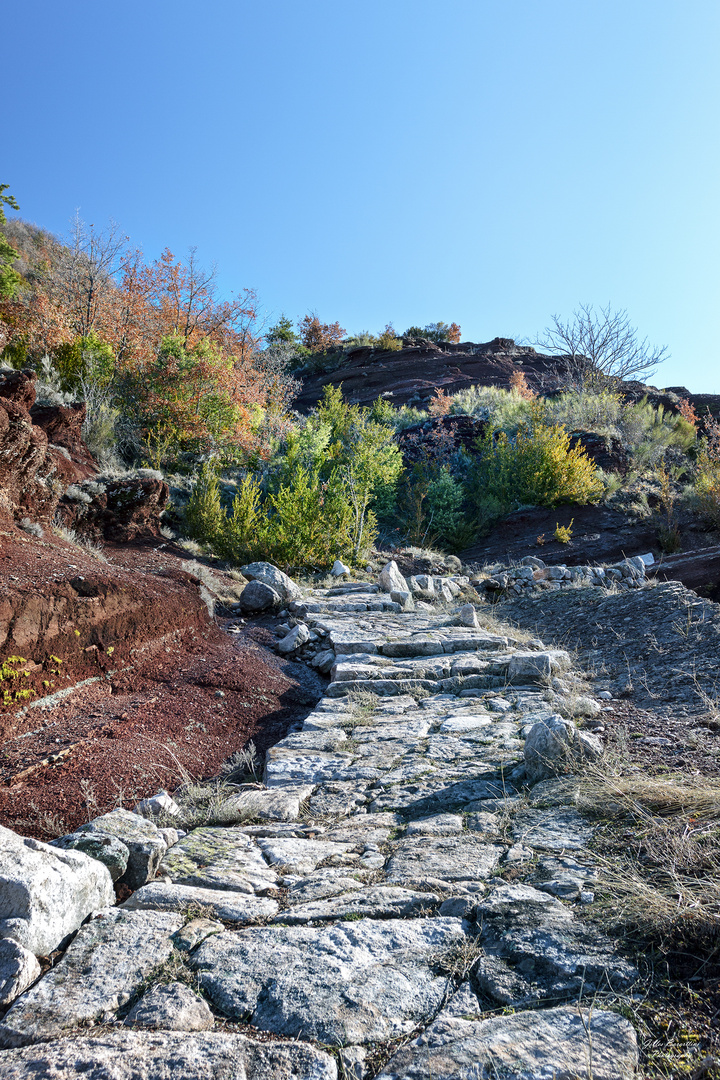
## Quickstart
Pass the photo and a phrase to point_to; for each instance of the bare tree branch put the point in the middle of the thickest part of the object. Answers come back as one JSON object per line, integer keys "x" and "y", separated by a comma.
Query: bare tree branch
{"x": 599, "y": 345}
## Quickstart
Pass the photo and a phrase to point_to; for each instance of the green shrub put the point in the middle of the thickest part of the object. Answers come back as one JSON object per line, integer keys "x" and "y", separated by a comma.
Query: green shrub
{"x": 536, "y": 468}
{"x": 506, "y": 410}
{"x": 707, "y": 486}
{"x": 243, "y": 532}
{"x": 203, "y": 515}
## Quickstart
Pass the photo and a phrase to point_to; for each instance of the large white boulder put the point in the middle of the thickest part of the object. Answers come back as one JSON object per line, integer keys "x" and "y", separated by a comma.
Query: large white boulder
{"x": 47, "y": 893}
{"x": 391, "y": 579}
{"x": 276, "y": 579}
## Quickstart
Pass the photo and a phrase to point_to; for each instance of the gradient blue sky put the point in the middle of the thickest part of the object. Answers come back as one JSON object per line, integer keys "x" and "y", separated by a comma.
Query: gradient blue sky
{"x": 486, "y": 162}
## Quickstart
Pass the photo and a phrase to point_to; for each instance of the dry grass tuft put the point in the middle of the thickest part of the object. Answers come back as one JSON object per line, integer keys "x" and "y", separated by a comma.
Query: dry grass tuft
{"x": 661, "y": 857}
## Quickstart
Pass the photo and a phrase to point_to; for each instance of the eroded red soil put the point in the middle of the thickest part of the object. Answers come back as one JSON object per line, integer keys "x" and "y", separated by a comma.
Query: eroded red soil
{"x": 171, "y": 692}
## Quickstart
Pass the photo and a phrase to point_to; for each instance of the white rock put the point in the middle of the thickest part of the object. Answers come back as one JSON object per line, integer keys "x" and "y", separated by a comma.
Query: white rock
{"x": 156, "y": 805}
{"x": 467, "y": 616}
{"x": 170, "y": 1055}
{"x": 339, "y": 569}
{"x": 554, "y": 745}
{"x": 534, "y": 665}
{"x": 390, "y": 578}
{"x": 170, "y": 836}
{"x": 101, "y": 970}
{"x": 172, "y": 1007}
{"x": 403, "y": 598}
{"x": 276, "y": 579}
{"x": 324, "y": 661}
{"x": 535, "y": 1045}
{"x": 276, "y": 804}
{"x": 230, "y": 906}
{"x": 298, "y": 636}
{"x": 47, "y": 893}
{"x": 18, "y": 969}
{"x": 140, "y": 836}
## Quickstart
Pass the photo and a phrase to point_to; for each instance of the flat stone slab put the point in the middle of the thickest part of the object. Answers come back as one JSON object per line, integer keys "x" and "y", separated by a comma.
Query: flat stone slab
{"x": 101, "y": 970}
{"x": 352, "y": 982}
{"x": 169, "y": 1055}
{"x": 434, "y": 796}
{"x": 556, "y": 829}
{"x": 550, "y": 1044}
{"x": 218, "y": 858}
{"x": 451, "y": 858}
{"x": 291, "y": 767}
{"x": 229, "y": 906}
{"x": 538, "y": 950}
{"x": 378, "y": 902}
{"x": 275, "y": 805}
{"x": 302, "y": 856}
{"x": 322, "y": 885}
{"x": 438, "y": 825}
{"x": 46, "y": 893}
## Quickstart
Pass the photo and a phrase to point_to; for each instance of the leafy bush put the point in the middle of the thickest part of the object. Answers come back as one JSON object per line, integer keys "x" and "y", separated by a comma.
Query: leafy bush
{"x": 437, "y": 331}
{"x": 536, "y": 468}
{"x": 316, "y": 502}
{"x": 707, "y": 484}
{"x": 506, "y": 410}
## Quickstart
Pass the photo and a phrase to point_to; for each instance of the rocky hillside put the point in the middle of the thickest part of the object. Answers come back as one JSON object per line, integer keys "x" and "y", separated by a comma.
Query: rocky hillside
{"x": 412, "y": 375}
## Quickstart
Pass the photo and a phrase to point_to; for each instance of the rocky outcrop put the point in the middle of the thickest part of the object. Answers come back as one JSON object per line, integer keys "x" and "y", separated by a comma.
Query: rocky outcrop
{"x": 26, "y": 467}
{"x": 63, "y": 426}
{"x": 698, "y": 570}
{"x": 533, "y": 574}
{"x": 120, "y": 511}
{"x": 46, "y": 471}
{"x": 412, "y": 375}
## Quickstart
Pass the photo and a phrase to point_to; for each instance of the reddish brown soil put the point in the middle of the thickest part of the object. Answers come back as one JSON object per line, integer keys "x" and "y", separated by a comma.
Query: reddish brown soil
{"x": 172, "y": 690}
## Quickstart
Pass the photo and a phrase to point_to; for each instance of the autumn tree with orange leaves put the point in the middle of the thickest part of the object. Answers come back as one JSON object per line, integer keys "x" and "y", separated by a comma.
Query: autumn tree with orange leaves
{"x": 183, "y": 362}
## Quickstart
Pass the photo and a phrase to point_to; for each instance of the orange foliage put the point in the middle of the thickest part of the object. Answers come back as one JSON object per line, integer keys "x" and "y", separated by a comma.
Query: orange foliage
{"x": 453, "y": 333}
{"x": 518, "y": 383}
{"x": 687, "y": 411}
{"x": 440, "y": 403}
{"x": 319, "y": 337}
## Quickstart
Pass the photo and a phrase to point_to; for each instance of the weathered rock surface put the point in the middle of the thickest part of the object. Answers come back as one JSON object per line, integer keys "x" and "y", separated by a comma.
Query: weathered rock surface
{"x": 101, "y": 970}
{"x": 45, "y": 893}
{"x": 265, "y": 572}
{"x": 131, "y": 1055}
{"x": 229, "y": 905}
{"x": 172, "y": 1007}
{"x": 141, "y": 837}
{"x": 554, "y": 1044}
{"x": 218, "y": 858}
{"x": 109, "y": 850}
{"x": 18, "y": 970}
{"x": 354, "y": 982}
{"x": 555, "y": 746}
{"x": 257, "y": 597}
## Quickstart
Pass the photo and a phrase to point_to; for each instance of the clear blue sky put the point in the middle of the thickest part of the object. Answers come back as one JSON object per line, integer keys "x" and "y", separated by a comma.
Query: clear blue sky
{"x": 481, "y": 161}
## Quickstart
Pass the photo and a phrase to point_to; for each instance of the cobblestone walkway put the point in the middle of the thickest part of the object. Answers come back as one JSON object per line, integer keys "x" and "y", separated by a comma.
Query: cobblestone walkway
{"x": 354, "y": 908}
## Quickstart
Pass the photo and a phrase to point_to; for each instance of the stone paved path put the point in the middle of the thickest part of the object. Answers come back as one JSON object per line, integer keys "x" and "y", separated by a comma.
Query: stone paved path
{"x": 358, "y": 900}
